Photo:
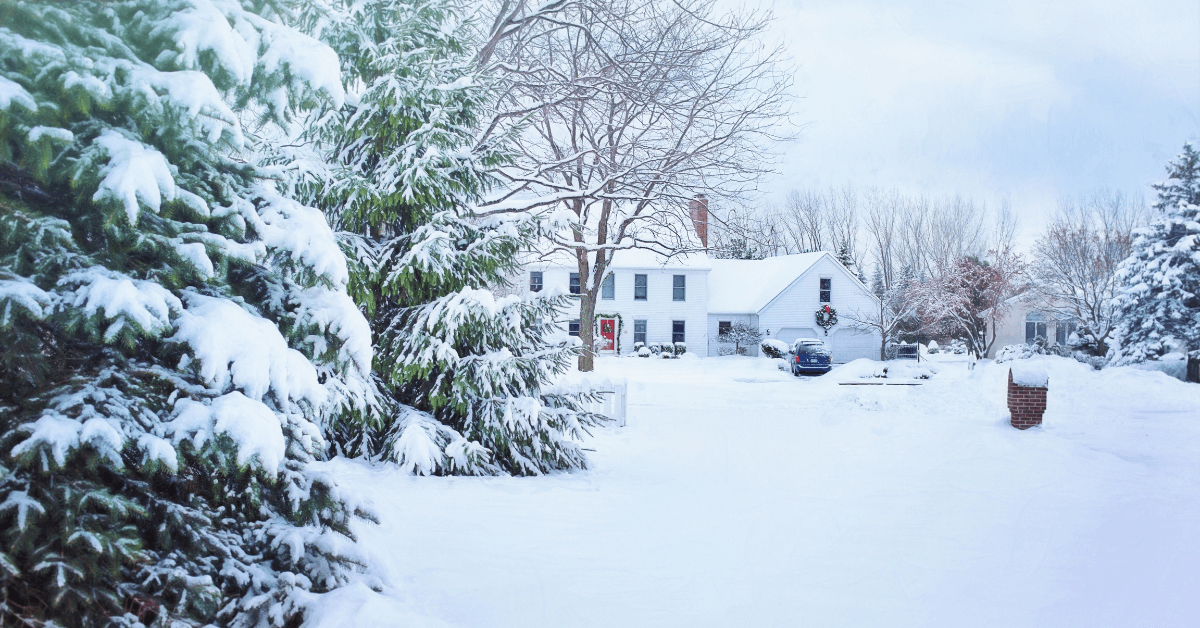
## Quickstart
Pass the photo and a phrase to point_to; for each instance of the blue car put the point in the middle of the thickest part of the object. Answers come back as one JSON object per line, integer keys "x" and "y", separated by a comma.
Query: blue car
{"x": 810, "y": 356}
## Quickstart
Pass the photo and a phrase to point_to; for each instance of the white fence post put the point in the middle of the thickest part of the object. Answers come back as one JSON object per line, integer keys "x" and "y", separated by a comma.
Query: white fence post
{"x": 613, "y": 399}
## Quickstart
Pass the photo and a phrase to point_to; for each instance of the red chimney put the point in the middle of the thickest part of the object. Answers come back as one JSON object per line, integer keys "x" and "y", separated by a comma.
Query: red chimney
{"x": 698, "y": 208}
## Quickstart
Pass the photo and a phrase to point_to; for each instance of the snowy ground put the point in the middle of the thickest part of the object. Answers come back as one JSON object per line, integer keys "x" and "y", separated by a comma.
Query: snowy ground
{"x": 739, "y": 495}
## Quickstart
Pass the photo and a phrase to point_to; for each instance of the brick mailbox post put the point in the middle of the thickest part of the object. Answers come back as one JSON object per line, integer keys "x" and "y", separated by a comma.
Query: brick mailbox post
{"x": 1027, "y": 395}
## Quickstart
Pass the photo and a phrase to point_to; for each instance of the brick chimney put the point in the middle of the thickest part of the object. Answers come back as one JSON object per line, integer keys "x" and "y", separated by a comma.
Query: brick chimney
{"x": 698, "y": 208}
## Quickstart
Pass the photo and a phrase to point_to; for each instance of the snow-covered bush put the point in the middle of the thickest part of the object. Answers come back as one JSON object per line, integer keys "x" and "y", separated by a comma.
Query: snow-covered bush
{"x": 932, "y": 347}
{"x": 643, "y": 352}
{"x": 726, "y": 350}
{"x": 1024, "y": 351}
{"x": 460, "y": 371}
{"x": 637, "y": 346}
{"x": 774, "y": 348}
{"x": 680, "y": 348}
{"x": 176, "y": 327}
{"x": 1041, "y": 347}
{"x": 956, "y": 346}
{"x": 655, "y": 348}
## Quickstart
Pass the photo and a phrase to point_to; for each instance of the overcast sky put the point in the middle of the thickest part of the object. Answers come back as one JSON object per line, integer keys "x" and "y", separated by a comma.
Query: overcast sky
{"x": 1025, "y": 99}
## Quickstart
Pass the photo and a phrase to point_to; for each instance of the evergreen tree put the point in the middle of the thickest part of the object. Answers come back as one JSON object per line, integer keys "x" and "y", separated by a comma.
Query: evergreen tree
{"x": 877, "y": 282}
{"x": 1159, "y": 306}
{"x": 463, "y": 374}
{"x": 174, "y": 329}
{"x": 847, "y": 259}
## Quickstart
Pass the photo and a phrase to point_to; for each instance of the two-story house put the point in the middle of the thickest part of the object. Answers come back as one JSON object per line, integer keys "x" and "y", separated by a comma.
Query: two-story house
{"x": 690, "y": 299}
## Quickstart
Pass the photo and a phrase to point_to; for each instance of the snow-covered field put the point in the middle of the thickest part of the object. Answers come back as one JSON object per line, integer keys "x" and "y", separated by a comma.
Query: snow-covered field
{"x": 739, "y": 495}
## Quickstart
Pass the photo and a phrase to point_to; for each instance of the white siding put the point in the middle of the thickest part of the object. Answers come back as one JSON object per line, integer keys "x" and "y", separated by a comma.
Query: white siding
{"x": 659, "y": 309}
{"x": 791, "y": 315}
{"x": 714, "y": 321}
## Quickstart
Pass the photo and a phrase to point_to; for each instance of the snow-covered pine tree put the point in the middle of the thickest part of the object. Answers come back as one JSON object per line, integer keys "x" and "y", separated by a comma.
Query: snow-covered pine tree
{"x": 846, "y": 258}
{"x": 464, "y": 374}
{"x": 173, "y": 329}
{"x": 1159, "y": 306}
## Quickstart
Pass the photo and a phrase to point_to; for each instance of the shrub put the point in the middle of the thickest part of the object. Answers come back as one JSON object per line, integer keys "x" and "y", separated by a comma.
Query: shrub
{"x": 643, "y": 351}
{"x": 680, "y": 348}
{"x": 654, "y": 348}
{"x": 773, "y": 348}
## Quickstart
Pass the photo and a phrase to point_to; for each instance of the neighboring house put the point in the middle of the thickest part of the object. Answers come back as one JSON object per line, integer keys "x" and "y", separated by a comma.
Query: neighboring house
{"x": 1024, "y": 323}
{"x": 689, "y": 298}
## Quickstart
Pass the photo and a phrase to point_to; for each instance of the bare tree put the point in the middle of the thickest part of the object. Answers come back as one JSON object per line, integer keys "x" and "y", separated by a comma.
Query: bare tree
{"x": 622, "y": 112}
{"x": 1076, "y": 262}
{"x": 896, "y": 310}
{"x": 969, "y": 296}
{"x": 884, "y": 212}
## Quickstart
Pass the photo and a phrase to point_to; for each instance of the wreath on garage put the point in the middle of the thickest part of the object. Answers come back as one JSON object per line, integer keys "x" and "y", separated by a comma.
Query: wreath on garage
{"x": 827, "y": 317}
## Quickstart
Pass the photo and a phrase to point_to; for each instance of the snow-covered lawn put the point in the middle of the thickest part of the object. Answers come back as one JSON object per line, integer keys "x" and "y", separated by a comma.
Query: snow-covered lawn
{"x": 739, "y": 495}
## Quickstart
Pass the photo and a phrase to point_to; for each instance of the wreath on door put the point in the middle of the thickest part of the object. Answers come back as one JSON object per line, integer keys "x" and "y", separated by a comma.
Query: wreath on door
{"x": 827, "y": 317}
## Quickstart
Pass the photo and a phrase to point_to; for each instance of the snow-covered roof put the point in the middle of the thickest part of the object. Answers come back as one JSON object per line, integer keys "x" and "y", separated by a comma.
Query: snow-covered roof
{"x": 631, "y": 259}
{"x": 738, "y": 286}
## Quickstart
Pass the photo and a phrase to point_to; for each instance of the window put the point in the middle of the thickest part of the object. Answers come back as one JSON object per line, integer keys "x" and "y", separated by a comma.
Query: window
{"x": 677, "y": 331}
{"x": 639, "y": 287}
{"x": 574, "y": 283}
{"x": 1063, "y": 331}
{"x": 724, "y": 327}
{"x": 826, "y": 289}
{"x": 573, "y": 327}
{"x": 608, "y": 289}
{"x": 535, "y": 281}
{"x": 1035, "y": 327}
{"x": 639, "y": 332}
{"x": 680, "y": 288}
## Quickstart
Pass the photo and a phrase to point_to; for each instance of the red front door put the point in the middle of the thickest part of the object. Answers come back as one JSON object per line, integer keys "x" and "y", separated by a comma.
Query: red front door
{"x": 608, "y": 334}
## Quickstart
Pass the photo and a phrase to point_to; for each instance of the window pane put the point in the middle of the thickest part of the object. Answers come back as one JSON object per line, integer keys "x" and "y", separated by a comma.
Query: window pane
{"x": 535, "y": 281}
{"x": 574, "y": 283}
{"x": 826, "y": 283}
{"x": 1030, "y": 331}
{"x": 723, "y": 327}
{"x": 1041, "y": 330}
{"x": 1060, "y": 333}
{"x": 573, "y": 327}
{"x": 639, "y": 287}
{"x": 608, "y": 289}
{"x": 677, "y": 330}
{"x": 639, "y": 331}
{"x": 825, "y": 296}
{"x": 680, "y": 288}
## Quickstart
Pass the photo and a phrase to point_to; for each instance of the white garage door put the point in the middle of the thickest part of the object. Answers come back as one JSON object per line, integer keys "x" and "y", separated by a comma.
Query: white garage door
{"x": 790, "y": 334}
{"x": 852, "y": 344}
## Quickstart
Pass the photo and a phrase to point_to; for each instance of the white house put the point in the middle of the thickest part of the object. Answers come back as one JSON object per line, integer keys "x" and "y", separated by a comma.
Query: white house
{"x": 781, "y": 296}
{"x": 647, "y": 298}
{"x": 644, "y": 298}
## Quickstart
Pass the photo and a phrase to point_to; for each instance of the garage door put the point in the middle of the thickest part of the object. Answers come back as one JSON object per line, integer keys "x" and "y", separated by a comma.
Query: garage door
{"x": 790, "y": 334}
{"x": 851, "y": 344}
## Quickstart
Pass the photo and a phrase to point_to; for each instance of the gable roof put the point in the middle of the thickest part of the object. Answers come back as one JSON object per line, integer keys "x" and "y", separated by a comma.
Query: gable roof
{"x": 737, "y": 286}
{"x": 629, "y": 259}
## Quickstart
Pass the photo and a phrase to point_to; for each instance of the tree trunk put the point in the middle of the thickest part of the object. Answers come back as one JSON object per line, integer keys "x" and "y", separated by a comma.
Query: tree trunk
{"x": 587, "y": 324}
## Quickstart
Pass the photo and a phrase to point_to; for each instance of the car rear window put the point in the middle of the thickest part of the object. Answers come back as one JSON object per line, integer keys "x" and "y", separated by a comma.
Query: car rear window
{"x": 811, "y": 349}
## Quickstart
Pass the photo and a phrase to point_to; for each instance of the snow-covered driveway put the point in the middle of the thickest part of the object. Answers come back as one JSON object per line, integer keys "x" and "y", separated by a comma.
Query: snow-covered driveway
{"x": 741, "y": 496}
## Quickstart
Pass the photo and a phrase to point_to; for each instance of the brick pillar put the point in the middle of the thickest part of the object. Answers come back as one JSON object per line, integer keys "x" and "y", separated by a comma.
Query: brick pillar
{"x": 698, "y": 208}
{"x": 1026, "y": 404}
